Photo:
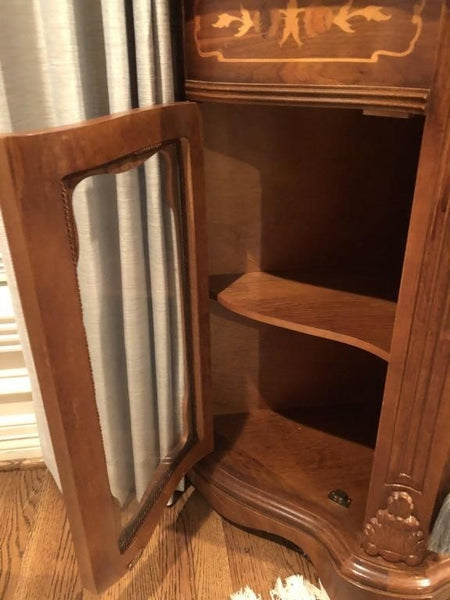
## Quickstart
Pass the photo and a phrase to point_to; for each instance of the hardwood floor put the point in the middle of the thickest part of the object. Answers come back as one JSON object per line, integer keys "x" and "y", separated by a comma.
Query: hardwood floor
{"x": 193, "y": 555}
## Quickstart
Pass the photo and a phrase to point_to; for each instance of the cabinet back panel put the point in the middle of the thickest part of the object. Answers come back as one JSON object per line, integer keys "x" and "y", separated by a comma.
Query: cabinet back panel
{"x": 309, "y": 190}
{"x": 259, "y": 366}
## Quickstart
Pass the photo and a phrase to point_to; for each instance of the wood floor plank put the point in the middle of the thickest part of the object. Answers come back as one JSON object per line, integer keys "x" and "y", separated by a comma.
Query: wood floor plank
{"x": 157, "y": 574}
{"x": 203, "y": 555}
{"x": 19, "y": 498}
{"x": 48, "y": 567}
{"x": 257, "y": 561}
{"x": 182, "y": 559}
{"x": 7, "y": 488}
{"x": 193, "y": 555}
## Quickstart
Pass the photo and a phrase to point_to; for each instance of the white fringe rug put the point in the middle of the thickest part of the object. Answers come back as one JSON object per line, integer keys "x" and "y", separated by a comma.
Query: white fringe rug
{"x": 295, "y": 587}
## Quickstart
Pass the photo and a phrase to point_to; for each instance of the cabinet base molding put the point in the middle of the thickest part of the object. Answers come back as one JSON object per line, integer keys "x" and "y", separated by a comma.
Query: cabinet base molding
{"x": 345, "y": 573}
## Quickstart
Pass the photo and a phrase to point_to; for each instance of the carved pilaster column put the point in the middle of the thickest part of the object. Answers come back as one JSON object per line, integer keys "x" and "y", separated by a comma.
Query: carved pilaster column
{"x": 414, "y": 443}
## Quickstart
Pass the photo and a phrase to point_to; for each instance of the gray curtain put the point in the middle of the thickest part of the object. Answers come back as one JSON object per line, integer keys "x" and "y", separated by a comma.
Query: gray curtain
{"x": 63, "y": 61}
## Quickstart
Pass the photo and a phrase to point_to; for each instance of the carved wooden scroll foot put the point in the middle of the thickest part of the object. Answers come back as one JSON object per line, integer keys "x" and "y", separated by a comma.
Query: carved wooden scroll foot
{"x": 395, "y": 533}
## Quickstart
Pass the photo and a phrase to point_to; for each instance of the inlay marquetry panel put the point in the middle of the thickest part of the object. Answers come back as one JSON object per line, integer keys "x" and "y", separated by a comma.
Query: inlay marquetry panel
{"x": 307, "y": 32}
{"x": 352, "y": 53}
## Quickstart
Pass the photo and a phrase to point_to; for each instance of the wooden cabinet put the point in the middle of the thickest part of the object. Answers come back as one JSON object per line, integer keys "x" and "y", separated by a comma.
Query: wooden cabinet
{"x": 326, "y": 359}
{"x": 332, "y": 224}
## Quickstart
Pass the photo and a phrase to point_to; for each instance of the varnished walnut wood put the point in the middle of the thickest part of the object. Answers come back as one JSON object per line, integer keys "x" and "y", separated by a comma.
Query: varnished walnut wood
{"x": 273, "y": 472}
{"x": 395, "y": 533}
{"x": 277, "y": 368}
{"x": 413, "y": 446}
{"x": 288, "y": 189}
{"x": 301, "y": 455}
{"x": 396, "y": 100}
{"x": 250, "y": 228}
{"x": 38, "y": 173}
{"x": 346, "y": 576}
{"x": 316, "y": 191}
{"x": 316, "y": 53}
{"x": 283, "y": 300}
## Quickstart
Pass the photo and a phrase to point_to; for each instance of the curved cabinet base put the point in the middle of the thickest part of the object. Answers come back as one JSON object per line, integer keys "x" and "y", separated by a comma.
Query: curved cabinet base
{"x": 346, "y": 573}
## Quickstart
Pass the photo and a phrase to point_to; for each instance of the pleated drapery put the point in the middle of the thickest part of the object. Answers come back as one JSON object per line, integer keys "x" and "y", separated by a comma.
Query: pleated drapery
{"x": 63, "y": 61}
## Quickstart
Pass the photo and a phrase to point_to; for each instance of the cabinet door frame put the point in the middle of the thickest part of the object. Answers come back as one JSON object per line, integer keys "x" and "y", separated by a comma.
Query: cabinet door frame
{"x": 38, "y": 173}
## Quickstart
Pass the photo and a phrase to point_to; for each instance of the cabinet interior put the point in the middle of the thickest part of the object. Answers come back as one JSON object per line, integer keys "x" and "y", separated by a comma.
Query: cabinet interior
{"x": 308, "y": 212}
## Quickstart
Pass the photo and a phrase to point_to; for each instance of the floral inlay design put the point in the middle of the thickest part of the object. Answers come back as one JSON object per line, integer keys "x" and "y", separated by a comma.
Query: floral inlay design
{"x": 246, "y": 21}
{"x": 315, "y": 20}
{"x": 295, "y": 31}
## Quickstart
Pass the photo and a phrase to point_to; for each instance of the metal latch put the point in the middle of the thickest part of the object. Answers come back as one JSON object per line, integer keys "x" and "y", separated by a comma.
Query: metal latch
{"x": 340, "y": 497}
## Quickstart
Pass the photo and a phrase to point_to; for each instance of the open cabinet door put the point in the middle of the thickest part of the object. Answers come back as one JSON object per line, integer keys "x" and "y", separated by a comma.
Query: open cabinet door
{"x": 39, "y": 174}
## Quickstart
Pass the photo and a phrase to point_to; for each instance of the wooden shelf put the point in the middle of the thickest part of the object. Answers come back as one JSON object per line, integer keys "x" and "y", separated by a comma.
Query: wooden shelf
{"x": 351, "y": 318}
{"x": 284, "y": 465}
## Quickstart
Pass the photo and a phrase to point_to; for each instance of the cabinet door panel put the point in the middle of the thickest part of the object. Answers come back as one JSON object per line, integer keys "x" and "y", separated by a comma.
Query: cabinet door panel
{"x": 114, "y": 294}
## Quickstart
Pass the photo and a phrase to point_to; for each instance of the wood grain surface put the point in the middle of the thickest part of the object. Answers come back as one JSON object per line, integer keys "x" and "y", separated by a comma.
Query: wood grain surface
{"x": 19, "y": 502}
{"x": 273, "y": 472}
{"x": 414, "y": 444}
{"x": 299, "y": 457}
{"x": 309, "y": 190}
{"x": 194, "y": 554}
{"x": 38, "y": 173}
{"x": 362, "y": 321}
{"x": 255, "y": 365}
{"x": 318, "y": 53}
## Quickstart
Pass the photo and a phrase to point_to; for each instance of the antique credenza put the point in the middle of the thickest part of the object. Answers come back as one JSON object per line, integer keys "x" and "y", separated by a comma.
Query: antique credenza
{"x": 325, "y": 158}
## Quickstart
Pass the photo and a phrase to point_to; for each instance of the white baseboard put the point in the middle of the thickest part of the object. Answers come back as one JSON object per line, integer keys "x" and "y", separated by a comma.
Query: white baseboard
{"x": 19, "y": 439}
